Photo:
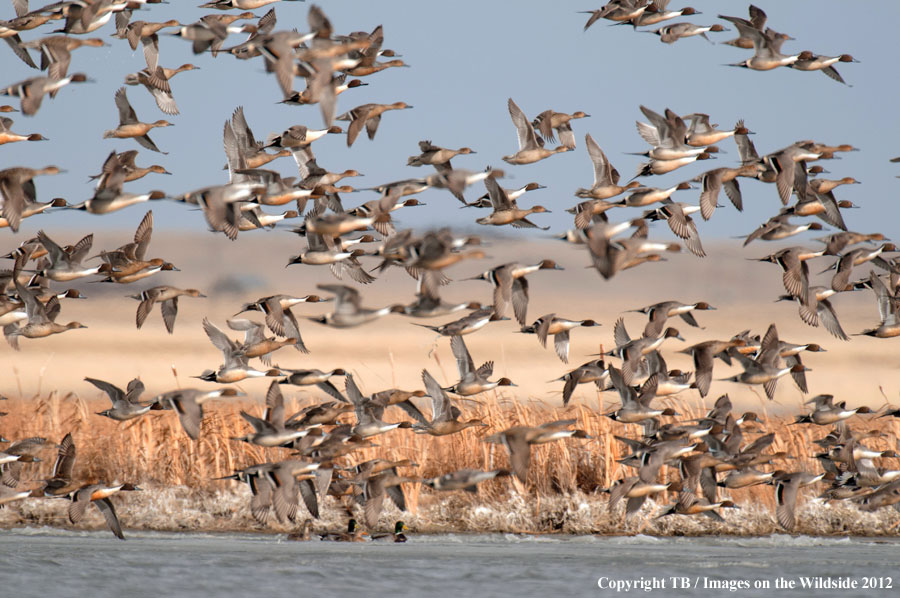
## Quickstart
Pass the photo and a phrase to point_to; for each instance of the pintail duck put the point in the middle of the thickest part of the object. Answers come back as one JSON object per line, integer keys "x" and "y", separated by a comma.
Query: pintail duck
{"x": 790, "y": 352}
{"x": 322, "y": 414}
{"x": 341, "y": 224}
{"x": 348, "y": 311}
{"x": 241, "y": 146}
{"x": 98, "y": 494}
{"x": 704, "y": 358}
{"x": 888, "y": 310}
{"x": 132, "y": 171}
{"x": 130, "y": 126}
{"x": 426, "y": 256}
{"x": 7, "y": 136}
{"x": 609, "y": 255}
{"x": 368, "y": 414}
{"x": 796, "y": 272}
{"x": 60, "y": 481}
{"x": 472, "y": 381}
{"x": 826, "y": 413}
{"x": 255, "y": 342}
{"x": 261, "y": 488}
{"x": 505, "y": 210}
{"x": 17, "y": 193}
{"x": 767, "y": 368}
{"x": 548, "y": 121}
{"x": 485, "y": 200}
{"x": 672, "y": 33}
{"x": 766, "y": 47}
{"x": 606, "y": 178}
{"x": 125, "y": 404}
{"x": 375, "y": 488}
{"x": 632, "y": 350}
{"x": 787, "y": 486}
{"x": 279, "y": 317}
{"x": 636, "y": 489}
{"x": 85, "y": 18}
{"x": 210, "y": 31}
{"x": 339, "y": 84}
{"x": 239, "y": 4}
{"x": 616, "y": 10}
{"x": 550, "y": 324}
{"x": 8, "y": 495}
{"x": 656, "y": 13}
{"x": 644, "y": 196}
{"x": 314, "y": 175}
{"x": 635, "y": 406}
{"x": 188, "y": 404}
{"x": 467, "y": 324}
{"x": 826, "y": 185}
{"x": 666, "y": 135}
{"x": 222, "y": 205}
{"x": 825, "y": 64}
{"x": 136, "y": 270}
{"x": 14, "y": 459}
{"x": 434, "y": 155}
{"x": 381, "y": 209}
{"x": 401, "y": 399}
{"x": 518, "y": 441}
{"x": 156, "y": 80}
{"x": 677, "y": 216}
{"x": 659, "y": 313}
{"x": 511, "y": 286}
{"x": 127, "y": 263}
{"x": 32, "y": 91}
{"x": 108, "y": 196}
{"x": 464, "y": 479}
{"x": 745, "y": 477}
{"x": 856, "y": 257}
{"x": 701, "y": 134}
{"x": 592, "y": 371}
{"x": 368, "y": 115}
{"x": 327, "y": 250}
{"x": 817, "y": 308}
{"x": 712, "y": 182}
{"x": 145, "y": 34}
{"x": 56, "y": 53}
{"x": 353, "y": 534}
{"x": 428, "y": 304}
{"x": 290, "y": 480}
{"x": 41, "y": 319}
{"x": 530, "y": 150}
{"x": 757, "y": 21}
{"x": 270, "y": 431}
{"x": 317, "y": 378}
{"x": 788, "y": 167}
{"x": 779, "y": 227}
{"x": 658, "y": 167}
{"x": 363, "y": 70}
{"x": 235, "y": 367}
{"x": 689, "y": 504}
{"x": 824, "y": 206}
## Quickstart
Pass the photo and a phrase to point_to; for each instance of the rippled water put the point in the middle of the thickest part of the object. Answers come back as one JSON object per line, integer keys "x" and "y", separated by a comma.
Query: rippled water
{"x": 42, "y": 562}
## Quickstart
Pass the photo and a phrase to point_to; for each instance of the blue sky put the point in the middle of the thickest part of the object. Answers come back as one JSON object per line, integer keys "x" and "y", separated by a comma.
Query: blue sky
{"x": 467, "y": 58}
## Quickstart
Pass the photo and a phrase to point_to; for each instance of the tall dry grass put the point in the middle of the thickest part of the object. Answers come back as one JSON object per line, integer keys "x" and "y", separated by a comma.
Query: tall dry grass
{"x": 154, "y": 452}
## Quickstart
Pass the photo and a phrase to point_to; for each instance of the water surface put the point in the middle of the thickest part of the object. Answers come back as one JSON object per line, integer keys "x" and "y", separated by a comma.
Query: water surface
{"x": 38, "y": 562}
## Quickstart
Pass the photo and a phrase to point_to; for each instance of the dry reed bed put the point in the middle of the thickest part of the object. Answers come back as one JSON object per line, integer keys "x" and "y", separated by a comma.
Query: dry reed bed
{"x": 561, "y": 494}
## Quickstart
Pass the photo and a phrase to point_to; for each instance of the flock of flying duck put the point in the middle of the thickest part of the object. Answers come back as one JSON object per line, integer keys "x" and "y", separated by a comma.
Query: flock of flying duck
{"x": 709, "y": 453}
